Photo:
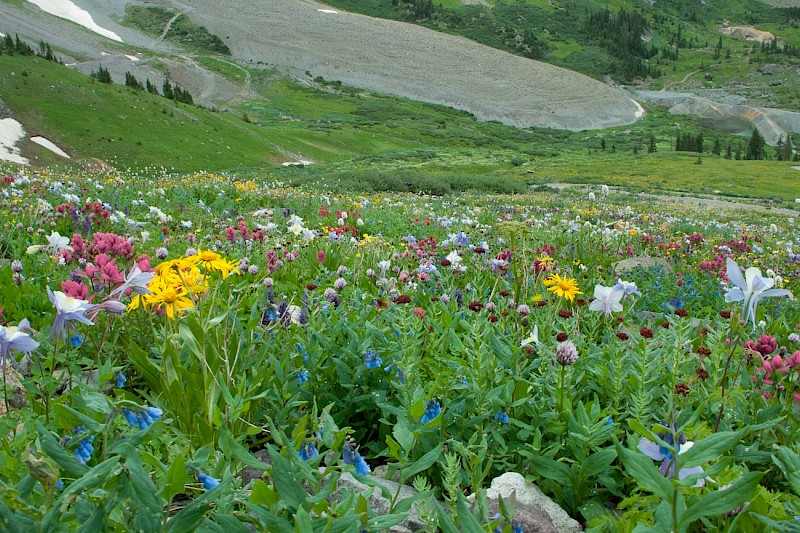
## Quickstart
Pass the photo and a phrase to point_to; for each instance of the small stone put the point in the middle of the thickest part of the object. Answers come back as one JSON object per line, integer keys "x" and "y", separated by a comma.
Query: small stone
{"x": 645, "y": 263}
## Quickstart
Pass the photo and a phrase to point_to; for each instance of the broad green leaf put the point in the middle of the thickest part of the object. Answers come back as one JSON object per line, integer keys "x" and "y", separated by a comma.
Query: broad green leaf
{"x": 721, "y": 501}
{"x": 230, "y": 445}
{"x": 423, "y": 463}
{"x": 789, "y": 462}
{"x": 302, "y": 521}
{"x": 65, "y": 459}
{"x": 263, "y": 494}
{"x": 446, "y": 523}
{"x": 710, "y": 448}
{"x": 402, "y": 433}
{"x": 642, "y": 469}
{"x": 598, "y": 462}
{"x": 551, "y": 469}
{"x": 466, "y": 522}
{"x": 289, "y": 489}
{"x": 175, "y": 480}
{"x": 191, "y": 516}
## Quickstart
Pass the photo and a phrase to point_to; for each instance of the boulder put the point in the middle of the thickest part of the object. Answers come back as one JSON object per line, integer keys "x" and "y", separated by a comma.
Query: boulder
{"x": 646, "y": 263}
{"x": 532, "y": 504}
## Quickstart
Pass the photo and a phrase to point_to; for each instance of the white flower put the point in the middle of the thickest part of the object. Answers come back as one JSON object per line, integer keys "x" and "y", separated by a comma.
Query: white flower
{"x": 136, "y": 280}
{"x": 55, "y": 243}
{"x": 533, "y": 338}
{"x": 186, "y": 224}
{"x": 750, "y": 289}
{"x": 628, "y": 287}
{"x": 296, "y": 229}
{"x": 606, "y": 299}
{"x": 359, "y": 222}
{"x": 454, "y": 258}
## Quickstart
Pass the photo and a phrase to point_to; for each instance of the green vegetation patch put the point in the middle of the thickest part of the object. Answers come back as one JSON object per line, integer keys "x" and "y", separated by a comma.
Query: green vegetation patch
{"x": 177, "y": 28}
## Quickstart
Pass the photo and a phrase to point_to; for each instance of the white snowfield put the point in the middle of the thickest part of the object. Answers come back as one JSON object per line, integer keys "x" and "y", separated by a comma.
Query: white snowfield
{"x": 47, "y": 143}
{"x": 67, "y": 10}
{"x": 11, "y": 132}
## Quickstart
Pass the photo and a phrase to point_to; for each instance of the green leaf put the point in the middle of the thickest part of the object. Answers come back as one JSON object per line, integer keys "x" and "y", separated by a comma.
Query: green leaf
{"x": 423, "y": 463}
{"x": 466, "y": 522}
{"x": 712, "y": 447}
{"x": 191, "y": 516}
{"x": 289, "y": 489}
{"x": 446, "y": 523}
{"x": 175, "y": 478}
{"x": 551, "y": 469}
{"x": 65, "y": 459}
{"x": 501, "y": 350}
{"x": 642, "y": 469}
{"x": 721, "y": 501}
{"x": 228, "y": 443}
{"x": 72, "y": 417}
{"x": 263, "y": 494}
{"x": 302, "y": 521}
{"x": 789, "y": 462}
{"x": 598, "y": 462}
{"x": 402, "y": 433}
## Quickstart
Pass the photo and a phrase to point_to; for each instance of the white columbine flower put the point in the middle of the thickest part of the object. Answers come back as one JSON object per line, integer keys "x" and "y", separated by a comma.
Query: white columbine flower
{"x": 533, "y": 338}
{"x": 606, "y": 299}
{"x": 454, "y": 258}
{"x": 55, "y": 243}
{"x": 628, "y": 287}
{"x": 750, "y": 289}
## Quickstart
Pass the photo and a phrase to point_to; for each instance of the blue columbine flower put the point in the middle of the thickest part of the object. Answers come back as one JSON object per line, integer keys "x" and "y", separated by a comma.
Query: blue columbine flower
{"x": 662, "y": 453}
{"x": 208, "y": 481}
{"x": 302, "y": 377}
{"x": 432, "y": 410}
{"x": 352, "y": 457}
{"x": 121, "y": 379}
{"x": 372, "y": 359}
{"x": 501, "y": 416}
{"x": 308, "y": 450}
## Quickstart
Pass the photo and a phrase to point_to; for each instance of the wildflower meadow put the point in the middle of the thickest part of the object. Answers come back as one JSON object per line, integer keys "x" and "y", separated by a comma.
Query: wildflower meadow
{"x": 213, "y": 353}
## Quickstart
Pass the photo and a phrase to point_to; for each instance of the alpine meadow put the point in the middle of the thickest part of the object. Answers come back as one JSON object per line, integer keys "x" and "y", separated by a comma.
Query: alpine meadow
{"x": 447, "y": 266}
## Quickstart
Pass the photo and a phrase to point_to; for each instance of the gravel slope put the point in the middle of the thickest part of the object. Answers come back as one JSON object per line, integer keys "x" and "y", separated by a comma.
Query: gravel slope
{"x": 410, "y": 61}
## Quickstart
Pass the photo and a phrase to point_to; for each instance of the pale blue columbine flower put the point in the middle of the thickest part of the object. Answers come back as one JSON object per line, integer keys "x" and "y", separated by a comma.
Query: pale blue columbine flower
{"x": 750, "y": 289}
{"x": 136, "y": 280}
{"x": 662, "y": 453}
{"x": 121, "y": 379}
{"x": 628, "y": 287}
{"x": 207, "y": 481}
{"x": 68, "y": 309}
{"x": 15, "y": 339}
{"x": 432, "y": 410}
{"x": 352, "y": 457}
{"x": 606, "y": 299}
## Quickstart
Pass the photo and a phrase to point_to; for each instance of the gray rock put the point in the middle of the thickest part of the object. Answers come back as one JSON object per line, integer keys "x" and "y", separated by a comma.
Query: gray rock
{"x": 646, "y": 263}
{"x": 250, "y": 473}
{"x": 531, "y": 518}
{"x": 532, "y": 500}
{"x": 380, "y": 505}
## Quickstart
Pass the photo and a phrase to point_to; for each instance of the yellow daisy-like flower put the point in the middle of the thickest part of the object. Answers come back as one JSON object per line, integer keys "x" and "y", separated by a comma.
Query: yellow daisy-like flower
{"x": 212, "y": 261}
{"x": 563, "y": 287}
{"x": 169, "y": 297}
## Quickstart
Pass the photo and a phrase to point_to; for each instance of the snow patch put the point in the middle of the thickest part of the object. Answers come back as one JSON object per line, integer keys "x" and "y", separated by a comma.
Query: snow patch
{"x": 41, "y": 141}
{"x": 294, "y": 163}
{"x": 132, "y": 58}
{"x": 640, "y": 110}
{"x": 796, "y": 168}
{"x": 11, "y": 132}
{"x": 65, "y": 9}
{"x": 328, "y": 11}
{"x": 104, "y": 53}
{"x": 2, "y": 34}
